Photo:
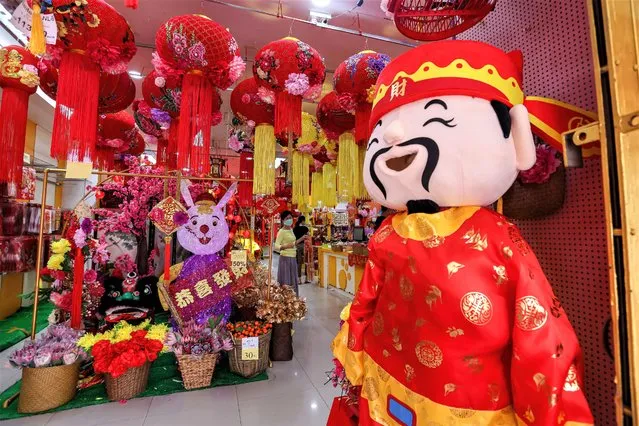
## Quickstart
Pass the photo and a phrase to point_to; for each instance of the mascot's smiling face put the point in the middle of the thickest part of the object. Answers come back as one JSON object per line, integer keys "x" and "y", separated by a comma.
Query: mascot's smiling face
{"x": 452, "y": 150}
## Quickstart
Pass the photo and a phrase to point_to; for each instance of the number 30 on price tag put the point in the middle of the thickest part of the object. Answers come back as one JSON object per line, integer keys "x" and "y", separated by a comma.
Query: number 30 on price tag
{"x": 250, "y": 349}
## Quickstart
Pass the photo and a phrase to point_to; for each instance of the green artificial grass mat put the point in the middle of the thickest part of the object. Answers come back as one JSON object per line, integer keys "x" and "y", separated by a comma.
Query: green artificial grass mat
{"x": 164, "y": 379}
{"x": 11, "y": 328}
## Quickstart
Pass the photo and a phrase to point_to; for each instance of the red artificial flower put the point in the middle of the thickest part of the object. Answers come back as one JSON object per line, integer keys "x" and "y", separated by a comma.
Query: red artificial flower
{"x": 59, "y": 275}
{"x": 117, "y": 367}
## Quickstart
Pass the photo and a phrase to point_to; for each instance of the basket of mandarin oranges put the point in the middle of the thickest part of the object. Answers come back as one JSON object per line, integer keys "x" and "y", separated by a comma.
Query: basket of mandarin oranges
{"x": 251, "y": 341}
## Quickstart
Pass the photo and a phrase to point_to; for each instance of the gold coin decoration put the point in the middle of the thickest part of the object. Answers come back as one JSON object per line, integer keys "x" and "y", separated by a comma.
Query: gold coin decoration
{"x": 477, "y": 308}
{"x": 529, "y": 314}
{"x": 429, "y": 354}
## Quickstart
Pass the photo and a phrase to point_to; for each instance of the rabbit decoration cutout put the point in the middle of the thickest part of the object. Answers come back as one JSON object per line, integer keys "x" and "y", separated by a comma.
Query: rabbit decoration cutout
{"x": 202, "y": 288}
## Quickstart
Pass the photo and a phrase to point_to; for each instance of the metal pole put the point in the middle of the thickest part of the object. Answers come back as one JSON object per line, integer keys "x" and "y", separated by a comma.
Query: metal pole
{"x": 36, "y": 291}
{"x": 270, "y": 260}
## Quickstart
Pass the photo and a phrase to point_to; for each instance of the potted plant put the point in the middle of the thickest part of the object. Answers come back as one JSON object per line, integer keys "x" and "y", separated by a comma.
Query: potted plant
{"x": 281, "y": 309}
{"x": 197, "y": 347}
{"x": 50, "y": 368}
{"x": 251, "y": 344}
{"x": 124, "y": 355}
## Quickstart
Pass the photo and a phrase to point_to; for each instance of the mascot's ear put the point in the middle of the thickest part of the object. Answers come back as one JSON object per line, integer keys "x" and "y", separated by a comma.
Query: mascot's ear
{"x": 523, "y": 137}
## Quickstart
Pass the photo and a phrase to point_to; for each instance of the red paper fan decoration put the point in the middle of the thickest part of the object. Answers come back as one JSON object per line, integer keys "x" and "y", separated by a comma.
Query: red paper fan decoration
{"x": 19, "y": 80}
{"x": 293, "y": 70}
{"x": 247, "y": 104}
{"x": 354, "y": 81}
{"x": 208, "y": 56}
{"x": 431, "y": 20}
{"x": 95, "y": 38}
{"x": 116, "y": 134}
{"x": 333, "y": 118}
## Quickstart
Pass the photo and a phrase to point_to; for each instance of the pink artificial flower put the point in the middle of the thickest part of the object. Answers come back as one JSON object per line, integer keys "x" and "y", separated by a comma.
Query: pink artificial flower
{"x": 90, "y": 276}
{"x": 246, "y": 98}
{"x": 547, "y": 163}
{"x": 80, "y": 238}
{"x": 106, "y": 55}
{"x": 179, "y": 43}
{"x": 163, "y": 68}
{"x": 266, "y": 95}
{"x": 296, "y": 84}
{"x": 236, "y": 68}
{"x": 197, "y": 52}
{"x": 313, "y": 92}
{"x": 160, "y": 81}
{"x": 250, "y": 124}
{"x": 235, "y": 144}
{"x": 62, "y": 300}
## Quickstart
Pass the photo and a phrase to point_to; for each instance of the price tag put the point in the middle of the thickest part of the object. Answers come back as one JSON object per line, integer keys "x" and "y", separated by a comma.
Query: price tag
{"x": 238, "y": 263}
{"x": 77, "y": 170}
{"x": 22, "y": 17}
{"x": 250, "y": 349}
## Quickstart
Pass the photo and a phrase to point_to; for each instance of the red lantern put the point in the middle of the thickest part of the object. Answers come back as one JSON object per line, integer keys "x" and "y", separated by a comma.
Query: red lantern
{"x": 95, "y": 39}
{"x": 208, "y": 56}
{"x": 431, "y": 20}
{"x": 153, "y": 123}
{"x": 354, "y": 81}
{"x": 115, "y": 94}
{"x": 116, "y": 134}
{"x": 292, "y": 70}
{"x": 247, "y": 104}
{"x": 19, "y": 80}
{"x": 333, "y": 118}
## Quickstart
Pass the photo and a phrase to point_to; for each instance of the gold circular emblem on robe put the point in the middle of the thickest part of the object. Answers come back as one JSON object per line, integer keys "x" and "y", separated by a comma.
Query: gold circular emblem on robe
{"x": 529, "y": 314}
{"x": 477, "y": 308}
{"x": 429, "y": 354}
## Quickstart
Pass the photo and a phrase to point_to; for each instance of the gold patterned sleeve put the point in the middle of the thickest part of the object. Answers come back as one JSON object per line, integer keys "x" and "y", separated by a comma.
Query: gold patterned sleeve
{"x": 547, "y": 363}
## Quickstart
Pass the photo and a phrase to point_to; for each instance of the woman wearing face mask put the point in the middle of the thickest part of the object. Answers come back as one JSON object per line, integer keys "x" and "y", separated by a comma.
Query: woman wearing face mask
{"x": 285, "y": 243}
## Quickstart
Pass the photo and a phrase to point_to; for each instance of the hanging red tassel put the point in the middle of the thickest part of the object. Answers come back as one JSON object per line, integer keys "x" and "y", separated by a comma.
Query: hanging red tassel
{"x": 133, "y": 4}
{"x": 171, "y": 155}
{"x": 161, "y": 154}
{"x": 362, "y": 117}
{"x": 196, "y": 110}
{"x": 167, "y": 259}
{"x": 13, "y": 130}
{"x": 105, "y": 158}
{"x": 288, "y": 115}
{"x": 76, "y": 113}
{"x": 245, "y": 189}
{"x": 76, "y": 294}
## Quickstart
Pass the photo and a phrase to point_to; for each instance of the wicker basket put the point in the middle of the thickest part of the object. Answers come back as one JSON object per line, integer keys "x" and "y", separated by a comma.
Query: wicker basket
{"x": 282, "y": 342}
{"x": 536, "y": 200}
{"x": 46, "y": 388}
{"x": 249, "y": 369}
{"x": 197, "y": 371}
{"x": 129, "y": 385}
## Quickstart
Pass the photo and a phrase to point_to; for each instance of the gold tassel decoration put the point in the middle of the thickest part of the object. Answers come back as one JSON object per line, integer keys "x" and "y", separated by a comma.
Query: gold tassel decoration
{"x": 301, "y": 180}
{"x": 264, "y": 170}
{"x": 317, "y": 190}
{"x": 360, "y": 191}
{"x": 329, "y": 176}
{"x": 37, "y": 41}
{"x": 347, "y": 161}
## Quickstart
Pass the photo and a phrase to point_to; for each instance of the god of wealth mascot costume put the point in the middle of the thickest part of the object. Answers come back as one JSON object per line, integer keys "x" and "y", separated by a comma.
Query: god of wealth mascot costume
{"x": 454, "y": 322}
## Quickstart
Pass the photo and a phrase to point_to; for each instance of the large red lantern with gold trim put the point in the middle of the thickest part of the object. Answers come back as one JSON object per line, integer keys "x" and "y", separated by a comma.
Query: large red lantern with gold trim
{"x": 354, "y": 81}
{"x": 96, "y": 38}
{"x": 288, "y": 70}
{"x": 207, "y": 55}
{"x": 19, "y": 80}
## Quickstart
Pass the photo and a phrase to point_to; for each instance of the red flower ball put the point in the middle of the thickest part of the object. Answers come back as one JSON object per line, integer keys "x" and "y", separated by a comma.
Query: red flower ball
{"x": 247, "y": 105}
{"x": 358, "y": 74}
{"x": 333, "y": 118}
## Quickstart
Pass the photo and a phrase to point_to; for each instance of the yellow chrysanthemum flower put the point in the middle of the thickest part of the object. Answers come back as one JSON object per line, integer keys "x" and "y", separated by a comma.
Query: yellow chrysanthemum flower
{"x": 61, "y": 246}
{"x": 157, "y": 332}
{"x": 55, "y": 262}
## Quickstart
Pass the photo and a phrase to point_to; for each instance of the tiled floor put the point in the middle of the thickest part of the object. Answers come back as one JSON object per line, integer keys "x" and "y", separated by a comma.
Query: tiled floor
{"x": 294, "y": 395}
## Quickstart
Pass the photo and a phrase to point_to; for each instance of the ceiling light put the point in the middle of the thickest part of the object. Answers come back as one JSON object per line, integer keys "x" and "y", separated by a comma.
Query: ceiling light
{"x": 320, "y": 17}
{"x": 321, "y": 3}
{"x": 136, "y": 75}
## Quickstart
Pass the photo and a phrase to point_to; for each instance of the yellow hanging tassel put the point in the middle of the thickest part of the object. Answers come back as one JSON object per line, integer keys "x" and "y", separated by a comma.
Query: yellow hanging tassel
{"x": 301, "y": 180}
{"x": 37, "y": 41}
{"x": 317, "y": 190}
{"x": 360, "y": 192}
{"x": 330, "y": 191}
{"x": 347, "y": 162}
{"x": 264, "y": 161}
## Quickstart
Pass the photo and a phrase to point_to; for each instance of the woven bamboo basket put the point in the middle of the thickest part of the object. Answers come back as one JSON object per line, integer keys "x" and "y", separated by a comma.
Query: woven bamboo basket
{"x": 536, "y": 200}
{"x": 282, "y": 342}
{"x": 251, "y": 368}
{"x": 46, "y": 388}
{"x": 197, "y": 371}
{"x": 129, "y": 385}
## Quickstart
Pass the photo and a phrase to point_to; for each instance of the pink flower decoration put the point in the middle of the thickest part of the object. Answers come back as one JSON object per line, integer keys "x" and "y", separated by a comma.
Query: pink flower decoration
{"x": 246, "y": 98}
{"x": 296, "y": 84}
{"x": 80, "y": 238}
{"x": 236, "y": 68}
{"x": 179, "y": 41}
{"x": 197, "y": 52}
{"x": 250, "y": 123}
{"x": 235, "y": 144}
{"x": 180, "y": 218}
{"x": 216, "y": 118}
{"x": 90, "y": 276}
{"x": 266, "y": 95}
{"x": 107, "y": 56}
{"x": 547, "y": 164}
{"x": 160, "y": 81}
{"x": 163, "y": 68}
{"x": 318, "y": 165}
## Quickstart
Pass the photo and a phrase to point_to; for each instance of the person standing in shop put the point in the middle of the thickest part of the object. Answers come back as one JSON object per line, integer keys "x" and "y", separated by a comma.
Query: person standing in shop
{"x": 285, "y": 243}
{"x": 300, "y": 231}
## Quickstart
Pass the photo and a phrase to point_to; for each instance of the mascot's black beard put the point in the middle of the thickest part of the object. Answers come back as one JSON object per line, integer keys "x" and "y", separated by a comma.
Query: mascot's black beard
{"x": 431, "y": 162}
